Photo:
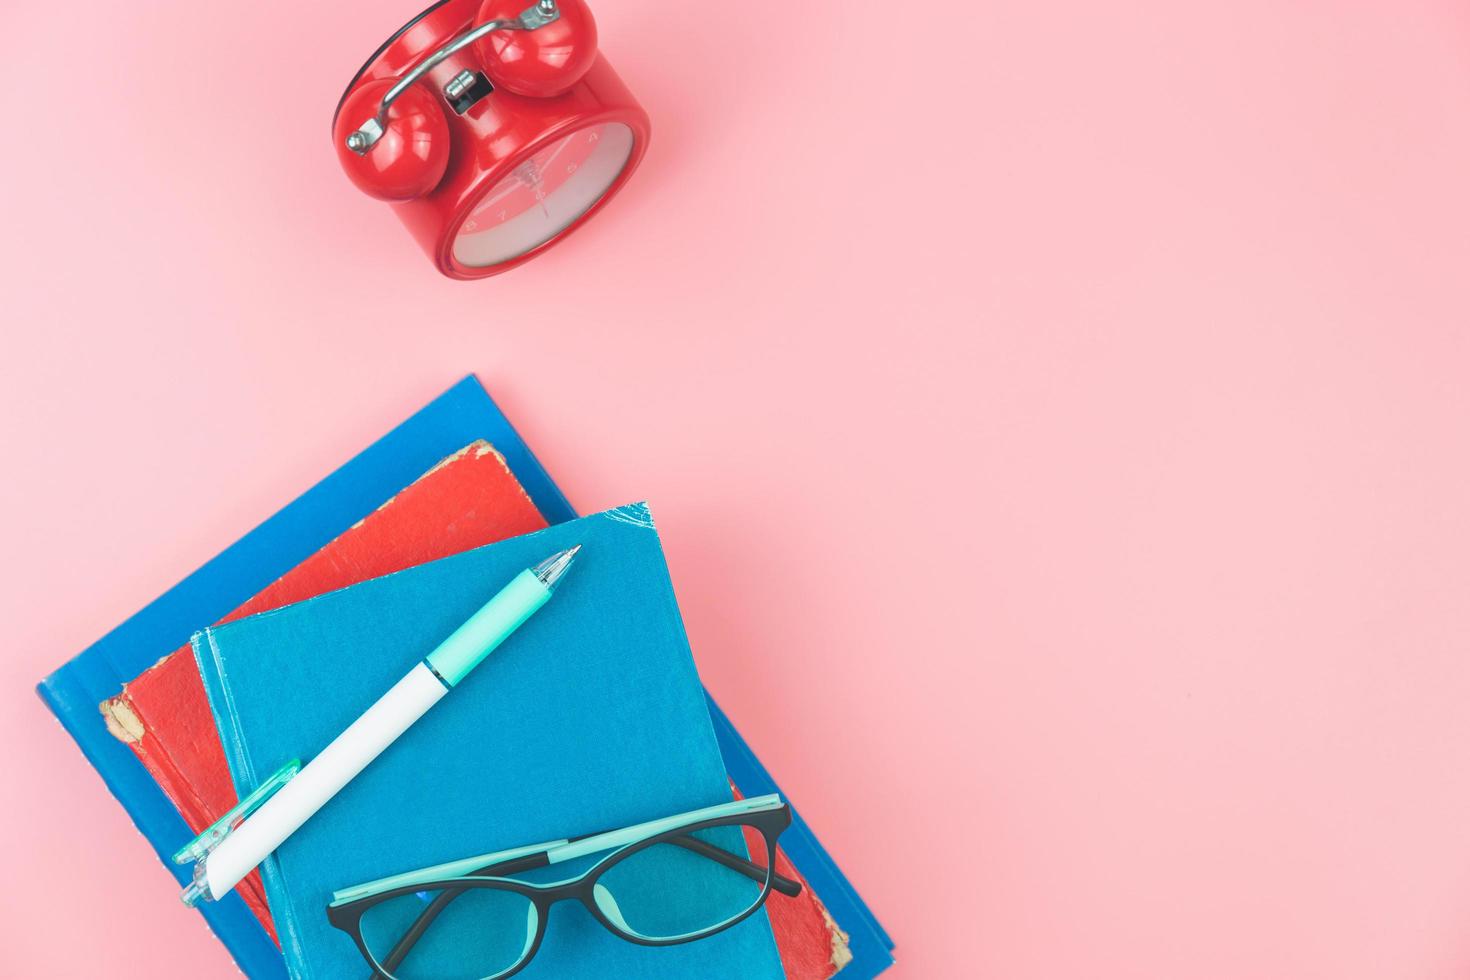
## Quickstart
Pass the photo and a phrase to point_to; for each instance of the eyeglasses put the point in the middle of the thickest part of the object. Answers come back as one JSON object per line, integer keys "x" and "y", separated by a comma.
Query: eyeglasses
{"x": 664, "y": 882}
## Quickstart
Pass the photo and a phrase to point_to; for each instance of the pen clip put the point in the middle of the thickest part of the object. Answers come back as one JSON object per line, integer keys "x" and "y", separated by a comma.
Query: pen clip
{"x": 198, "y": 849}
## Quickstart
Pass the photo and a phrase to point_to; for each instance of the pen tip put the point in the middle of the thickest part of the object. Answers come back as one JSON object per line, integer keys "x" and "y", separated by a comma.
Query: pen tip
{"x": 552, "y": 569}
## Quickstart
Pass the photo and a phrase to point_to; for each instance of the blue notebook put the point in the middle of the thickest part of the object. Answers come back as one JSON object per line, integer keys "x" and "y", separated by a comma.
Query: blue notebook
{"x": 590, "y": 717}
{"x": 456, "y": 418}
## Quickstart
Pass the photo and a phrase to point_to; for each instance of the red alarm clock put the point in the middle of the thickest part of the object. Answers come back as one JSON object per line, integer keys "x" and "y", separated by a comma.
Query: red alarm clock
{"x": 493, "y": 129}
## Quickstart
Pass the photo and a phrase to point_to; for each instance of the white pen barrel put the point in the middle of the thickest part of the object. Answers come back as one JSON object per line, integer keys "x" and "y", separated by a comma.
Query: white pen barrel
{"x": 349, "y": 753}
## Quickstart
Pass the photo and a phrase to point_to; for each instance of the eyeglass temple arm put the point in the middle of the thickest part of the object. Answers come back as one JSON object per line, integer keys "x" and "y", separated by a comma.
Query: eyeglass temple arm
{"x": 420, "y": 925}
{"x": 755, "y": 872}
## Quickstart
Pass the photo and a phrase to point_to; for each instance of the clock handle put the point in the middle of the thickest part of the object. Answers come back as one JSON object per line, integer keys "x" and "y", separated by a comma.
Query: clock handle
{"x": 540, "y": 14}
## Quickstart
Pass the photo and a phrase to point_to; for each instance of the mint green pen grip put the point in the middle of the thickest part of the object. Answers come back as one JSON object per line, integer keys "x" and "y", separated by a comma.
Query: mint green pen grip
{"x": 488, "y": 628}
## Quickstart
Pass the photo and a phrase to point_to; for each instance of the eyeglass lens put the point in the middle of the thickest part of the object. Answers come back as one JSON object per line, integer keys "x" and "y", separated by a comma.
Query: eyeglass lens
{"x": 675, "y": 890}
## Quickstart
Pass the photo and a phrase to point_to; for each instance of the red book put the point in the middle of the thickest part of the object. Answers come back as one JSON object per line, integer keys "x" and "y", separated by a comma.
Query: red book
{"x": 468, "y": 500}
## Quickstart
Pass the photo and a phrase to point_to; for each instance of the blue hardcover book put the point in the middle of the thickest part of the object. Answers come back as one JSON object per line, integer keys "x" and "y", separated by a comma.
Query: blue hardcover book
{"x": 590, "y": 717}
{"x": 461, "y": 415}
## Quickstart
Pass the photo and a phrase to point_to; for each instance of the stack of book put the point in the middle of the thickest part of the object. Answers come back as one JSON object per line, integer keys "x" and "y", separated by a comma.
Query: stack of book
{"x": 382, "y": 554}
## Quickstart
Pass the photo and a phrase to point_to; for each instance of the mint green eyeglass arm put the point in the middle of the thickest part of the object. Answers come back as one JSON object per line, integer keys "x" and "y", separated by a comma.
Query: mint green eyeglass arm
{"x": 632, "y": 835}
{"x": 558, "y": 850}
{"x": 488, "y": 628}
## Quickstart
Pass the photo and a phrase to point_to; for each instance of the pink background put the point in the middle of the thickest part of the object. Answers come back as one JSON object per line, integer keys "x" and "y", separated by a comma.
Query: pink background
{"x": 1067, "y": 402}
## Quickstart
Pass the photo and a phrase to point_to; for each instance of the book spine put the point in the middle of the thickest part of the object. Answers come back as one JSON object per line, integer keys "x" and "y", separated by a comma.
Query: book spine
{"x": 74, "y": 703}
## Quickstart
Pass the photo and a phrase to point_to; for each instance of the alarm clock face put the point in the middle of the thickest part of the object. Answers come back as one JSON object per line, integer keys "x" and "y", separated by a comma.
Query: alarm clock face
{"x": 543, "y": 195}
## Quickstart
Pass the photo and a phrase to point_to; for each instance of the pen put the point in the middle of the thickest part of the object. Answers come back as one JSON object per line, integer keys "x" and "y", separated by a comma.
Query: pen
{"x": 235, "y": 844}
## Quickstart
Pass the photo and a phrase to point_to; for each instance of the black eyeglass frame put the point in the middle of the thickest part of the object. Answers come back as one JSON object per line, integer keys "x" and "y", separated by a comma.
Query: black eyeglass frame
{"x": 347, "y": 916}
